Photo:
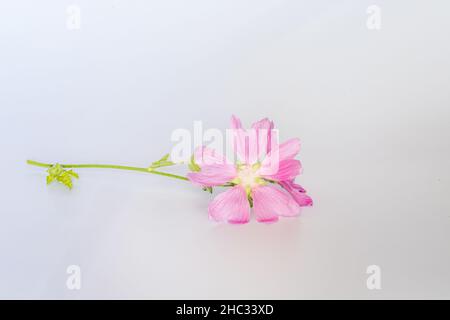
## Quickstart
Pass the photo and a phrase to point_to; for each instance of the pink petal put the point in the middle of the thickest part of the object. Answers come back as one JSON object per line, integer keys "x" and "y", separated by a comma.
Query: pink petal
{"x": 207, "y": 156}
{"x": 289, "y": 149}
{"x": 213, "y": 175}
{"x": 290, "y": 185}
{"x": 285, "y": 151}
{"x": 287, "y": 170}
{"x": 270, "y": 202}
{"x": 263, "y": 130}
{"x": 235, "y": 122}
{"x": 241, "y": 145}
{"x": 231, "y": 205}
{"x": 298, "y": 193}
{"x": 302, "y": 199}
{"x": 240, "y": 140}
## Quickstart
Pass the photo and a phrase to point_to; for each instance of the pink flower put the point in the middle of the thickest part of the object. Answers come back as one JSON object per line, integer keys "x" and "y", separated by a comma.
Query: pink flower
{"x": 262, "y": 167}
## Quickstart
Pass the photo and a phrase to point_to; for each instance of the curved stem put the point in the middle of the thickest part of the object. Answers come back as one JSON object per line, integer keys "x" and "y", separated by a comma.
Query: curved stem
{"x": 108, "y": 166}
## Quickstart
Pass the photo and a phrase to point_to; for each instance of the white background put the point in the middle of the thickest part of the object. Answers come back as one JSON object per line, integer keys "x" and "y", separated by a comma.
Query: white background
{"x": 371, "y": 108}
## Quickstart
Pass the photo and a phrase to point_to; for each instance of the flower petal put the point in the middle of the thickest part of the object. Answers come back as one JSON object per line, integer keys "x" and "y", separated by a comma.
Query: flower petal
{"x": 239, "y": 140}
{"x": 285, "y": 151}
{"x": 298, "y": 193}
{"x": 213, "y": 175}
{"x": 270, "y": 202}
{"x": 302, "y": 199}
{"x": 235, "y": 122}
{"x": 263, "y": 130}
{"x": 290, "y": 185}
{"x": 289, "y": 149}
{"x": 286, "y": 170}
{"x": 241, "y": 145}
{"x": 207, "y": 156}
{"x": 231, "y": 205}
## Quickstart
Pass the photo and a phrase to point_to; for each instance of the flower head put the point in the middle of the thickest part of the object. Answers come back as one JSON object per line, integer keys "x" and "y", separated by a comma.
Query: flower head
{"x": 261, "y": 177}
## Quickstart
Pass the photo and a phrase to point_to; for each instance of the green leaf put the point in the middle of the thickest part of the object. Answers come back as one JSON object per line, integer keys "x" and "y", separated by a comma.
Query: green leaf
{"x": 165, "y": 157}
{"x": 72, "y": 173}
{"x": 193, "y": 166}
{"x": 50, "y": 179}
{"x": 58, "y": 173}
{"x": 55, "y": 170}
{"x": 163, "y": 162}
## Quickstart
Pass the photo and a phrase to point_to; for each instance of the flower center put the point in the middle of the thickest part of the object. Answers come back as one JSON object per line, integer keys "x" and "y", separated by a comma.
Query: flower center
{"x": 248, "y": 176}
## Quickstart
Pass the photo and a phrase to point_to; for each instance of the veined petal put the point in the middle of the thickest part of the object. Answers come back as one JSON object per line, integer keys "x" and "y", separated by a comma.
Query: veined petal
{"x": 270, "y": 202}
{"x": 241, "y": 145}
{"x": 213, "y": 175}
{"x": 240, "y": 140}
{"x": 235, "y": 122}
{"x": 290, "y": 185}
{"x": 289, "y": 149}
{"x": 302, "y": 199}
{"x": 207, "y": 156}
{"x": 285, "y": 151}
{"x": 286, "y": 170}
{"x": 263, "y": 130}
{"x": 231, "y": 205}
{"x": 298, "y": 193}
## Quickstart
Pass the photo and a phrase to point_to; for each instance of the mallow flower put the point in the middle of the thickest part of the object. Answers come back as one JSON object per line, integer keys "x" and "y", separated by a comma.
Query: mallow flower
{"x": 261, "y": 179}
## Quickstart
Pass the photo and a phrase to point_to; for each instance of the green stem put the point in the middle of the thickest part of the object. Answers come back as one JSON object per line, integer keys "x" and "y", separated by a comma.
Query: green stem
{"x": 108, "y": 166}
